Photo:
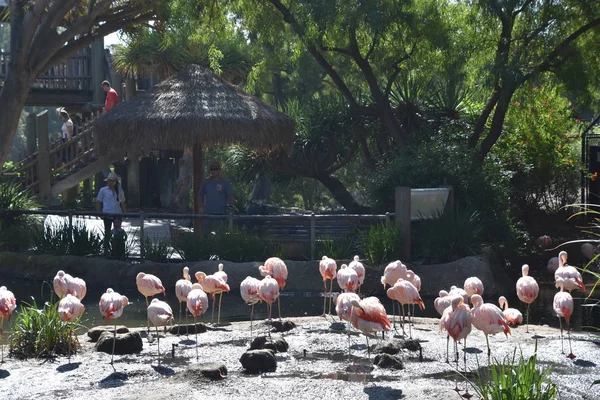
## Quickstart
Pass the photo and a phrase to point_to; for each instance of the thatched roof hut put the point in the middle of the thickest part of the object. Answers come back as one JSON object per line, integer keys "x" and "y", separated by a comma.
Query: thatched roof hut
{"x": 194, "y": 107}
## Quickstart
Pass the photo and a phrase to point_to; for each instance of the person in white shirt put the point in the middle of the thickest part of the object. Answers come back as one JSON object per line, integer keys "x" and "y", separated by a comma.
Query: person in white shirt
{"x": 67, "y": 134}
{"x": 110, "y": 200}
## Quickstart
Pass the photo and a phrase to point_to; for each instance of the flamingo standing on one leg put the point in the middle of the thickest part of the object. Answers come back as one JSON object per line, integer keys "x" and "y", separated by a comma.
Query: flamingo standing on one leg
{"x": 394, "y": 271}
{"x": 456, "y": 320}
{"x": 328, "y": 270}
{"x": 268, "y": 291}
{"x": 369, "y": 317}
{"x": 212, "y": 285}
{"x": 61, "y": 283}
{"x": 70, "y": 309}
{"x": 8, "y": 304}
{"x": 513, "y": 316}
{"x": 197, "y": 304}
{"x": 416, "y": 281}
{"x": 405, "y": 293}
{"x": 563, "y": 307}
{"x": 276, "y": 268}
{"x": 249, "y": 292}
{"x": 160, "y": 314}
{"x": 488, "y": 318}
{"x": 220, "y": 274}
{"x": 572, "y": 278}
{"x": 182, "y": 288}
{"x": 527, "y": 290}
{"x": 356, "y": 265}
{"x": 149, "y": 285}
{"x": 111, "y": 306}
{"x": 347, "y": 279}
{"x": 343, "y": 308}
{"x": 456, "y": 291}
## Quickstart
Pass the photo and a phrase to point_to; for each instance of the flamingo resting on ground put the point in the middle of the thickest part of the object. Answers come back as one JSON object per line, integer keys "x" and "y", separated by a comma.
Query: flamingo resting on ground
{"x": 405, "y": 293}
{"x": 369, "y": 317}
{"x": 212, "y": 285}
{"x": 182, "y": 288}
{"x": 513, "y": 316}
{"x": 276, "y": 269}
{"x": 527, "y": 290}
{"x": 160, "y": 314}
{"x": 197, "y": 304}
{"x": 328, "y": 270}
{"x": 8, "y": 304}
{"x": 563, "y": 307}
{"x": 149, "y": 285}
{"x": 111, "y": 306}
{"x": 356, "y": 265}
{"x": 249, "y": 291}
{"x": 488, "y": 318}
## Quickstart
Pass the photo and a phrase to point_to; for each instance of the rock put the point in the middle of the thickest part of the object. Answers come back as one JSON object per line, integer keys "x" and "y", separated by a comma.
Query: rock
{"x": 190, "y": 328}
{"x": 257, "y": 361}
{"x": 392, "y": 347}
{"x": 125, "y": 343}
{"x": 412, "y": 345}
{"x": 95, "y": 332}
{"x": 282, "y": 326}
{"x": 278, "y": 345}
{"x": 203, "y": 372}
{"x": 388, "y": 361}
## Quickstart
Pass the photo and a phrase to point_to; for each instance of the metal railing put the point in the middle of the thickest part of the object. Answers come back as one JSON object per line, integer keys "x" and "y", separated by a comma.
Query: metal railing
{"x": 231, "y": 219}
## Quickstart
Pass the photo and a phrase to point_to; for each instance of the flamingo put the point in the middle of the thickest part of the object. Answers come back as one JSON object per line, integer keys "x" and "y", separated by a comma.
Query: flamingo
{"x": 197, "y": 304}
{"x": 473, "y": 285}
{"x": 61, "y": 283}
{"x": 394, "y": 271}
{"x": 327, "y": 268}
{"x": 249, "y": 292}
{"x": 405, "y": 292}
{"x": 268, "y": 291}
{"x": 416, "y": 281}
{"x": 343, "y": 308}
{"x": 347, "y": 279}
{"x": 369, "y": 316}
{"x": 182, "y": 288}
{"x": 111, "y": 306}
{"x": 212, "y": 285}
{"x": 513, "y": 316}
{"x": 563, "y": 307}
{"x": 69, "y": 310}
{"x": 442, "y": 302}
{"x": 456, "y": 321}
{"x": 8, "y": 304}
{"x": 276, "y": 268}
{"x": 149, "y": 285}
{"x": 77, "y": 288}
{"x": 356, "y": 265}
{"x": 456, "y": 291}
{"x": 220, "y": 274}
{"x": 488, "y": 318}
{"x": 160, "y": 314}
{"x": 571, "y": 277}
{"x": 527, "y": 290}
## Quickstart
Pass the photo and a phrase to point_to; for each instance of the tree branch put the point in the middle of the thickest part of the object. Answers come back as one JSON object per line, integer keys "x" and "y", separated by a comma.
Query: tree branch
{"x": 483, "y": 117}
{"x": 523, "y": 7}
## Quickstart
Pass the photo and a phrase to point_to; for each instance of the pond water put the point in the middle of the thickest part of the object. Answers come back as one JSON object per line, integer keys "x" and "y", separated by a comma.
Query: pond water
{"x": 293, "y": 304}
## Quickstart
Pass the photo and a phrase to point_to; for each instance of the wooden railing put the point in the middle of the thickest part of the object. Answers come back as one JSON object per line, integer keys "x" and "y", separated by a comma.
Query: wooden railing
{"x": 74, "y": 73}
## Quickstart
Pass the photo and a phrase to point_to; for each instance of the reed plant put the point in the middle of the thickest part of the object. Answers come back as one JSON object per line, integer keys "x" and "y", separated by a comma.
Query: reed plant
{"x": 337, "y": 248}
{"x": 381, "y": 243}
{"x": 60, "y": 238}
{"x": 15, "y": 229}
{"x": 157, "y": 249}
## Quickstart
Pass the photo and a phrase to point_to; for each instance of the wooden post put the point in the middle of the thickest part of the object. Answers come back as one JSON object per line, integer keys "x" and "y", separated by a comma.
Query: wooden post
{"x": 133, "y": 179}
{"x": 44, "y": 167}
{"x": 30, "y": 134}
{"x": 198, "y": 178}
{"x": 313, "y": 237}
{"x": 98, "y": 58}
{"x": 142, "y": 237}
{"x": 403, "y": 212}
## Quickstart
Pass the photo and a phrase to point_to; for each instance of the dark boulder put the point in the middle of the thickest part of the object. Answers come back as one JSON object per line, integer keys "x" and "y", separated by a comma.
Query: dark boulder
{"x": 95, "y": 332}
{"x": 257, "y": 361}
{"x": 282, "y": 326}
{"x": 203, "y": 372}
{"x": 125, "y": 343}
{"x": 278, "y": 345}
{"x": 388, "y": 361}
{"x": 188, "y": 329}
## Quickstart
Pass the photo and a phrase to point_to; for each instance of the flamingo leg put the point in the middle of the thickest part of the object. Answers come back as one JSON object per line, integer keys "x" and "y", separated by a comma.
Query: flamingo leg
{"x": 330, "y": 296}
{"x": 219, "y": 314}
{"x": 251, "y": 315}
{"x": 571, "y": 355}
{"x": 527, "y": 314}
{"x": 412, "y": 315}
{"x": 179, "y": 324}
{"x": 348, "y": 332}
{"x": 447, "y": 343}
{"x": 147, "y": 318}
{"x": 465, "y": 361}
{"x": 2, "y": 343}
{"x": 409, "y": 320}
{"x": 561, "y": 336}
{"x": 324, "y": 296}
{"x": 456, "y": 352}
{"x": 368, "y": 348}
{"x": 187, "y": 327}
{"x": 158, "y": 344}
{"x": 394, "y": 313}
{"x": 487, "y": 341}
{"x": 212, "y": 315}
{"x": 279, "y": 306}
{"x": 196, "y": 331}
{"x": 402, "y": 308}
{"x": 114, "y": 342}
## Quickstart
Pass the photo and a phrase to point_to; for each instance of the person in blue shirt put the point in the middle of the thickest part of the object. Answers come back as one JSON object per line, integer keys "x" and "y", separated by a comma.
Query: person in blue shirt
{"x": 215, "y": 195}
{"x": 111, "y": 200}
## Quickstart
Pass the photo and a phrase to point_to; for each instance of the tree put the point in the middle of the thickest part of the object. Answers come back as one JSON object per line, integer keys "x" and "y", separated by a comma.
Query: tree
{"x": 44, "y": 32}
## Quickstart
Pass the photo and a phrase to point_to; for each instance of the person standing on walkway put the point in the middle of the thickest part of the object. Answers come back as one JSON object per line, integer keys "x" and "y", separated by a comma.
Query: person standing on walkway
{"x": 67, "y": 134}
{"x": 110, "y": 200}
{"x": 112, "y": 98}
{"x": 215, "y": 195}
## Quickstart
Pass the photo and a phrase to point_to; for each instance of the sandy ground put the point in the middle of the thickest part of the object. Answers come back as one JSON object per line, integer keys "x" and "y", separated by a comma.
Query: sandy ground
{"x": 315, "y": 367}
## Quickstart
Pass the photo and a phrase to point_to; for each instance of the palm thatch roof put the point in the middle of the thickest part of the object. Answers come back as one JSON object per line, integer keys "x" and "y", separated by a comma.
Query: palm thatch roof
{"x": 195, "y": 106}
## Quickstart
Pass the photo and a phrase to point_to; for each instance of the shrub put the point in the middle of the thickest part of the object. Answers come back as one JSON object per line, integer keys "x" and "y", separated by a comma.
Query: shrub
{"x": 60, "y": 239}
{"x": 237, "y": 245}
{"x": 381, "y": 243}
{"x": 340, "y": 248}
{"x": 14, "y": 229}
{"x": 157, "y": 249}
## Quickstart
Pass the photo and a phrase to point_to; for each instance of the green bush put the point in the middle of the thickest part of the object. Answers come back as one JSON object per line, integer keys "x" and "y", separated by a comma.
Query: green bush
{"x": 381, "y": 244}
{"x": 60, "y": 239}
{"x": 157, "y": 249}
{"x": 41, "y": 332}
{"x": 14, "y": 229}
{"x": 448, "y": 236}
{"x": 341, "y": 248}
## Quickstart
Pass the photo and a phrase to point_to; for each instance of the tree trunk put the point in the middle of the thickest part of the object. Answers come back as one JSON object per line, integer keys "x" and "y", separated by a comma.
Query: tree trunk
{"x": 341, "y": 194}
{"x": 493, "y": 135}
{"x": 12, "y": 101}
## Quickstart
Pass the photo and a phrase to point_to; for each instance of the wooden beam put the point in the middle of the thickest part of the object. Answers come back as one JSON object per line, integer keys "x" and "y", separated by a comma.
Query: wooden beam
{"x": 403, "y": 213}
{"x": 198, "y": 178}
{"x": 44, "y": 171}
{"x": 30, "y": 134}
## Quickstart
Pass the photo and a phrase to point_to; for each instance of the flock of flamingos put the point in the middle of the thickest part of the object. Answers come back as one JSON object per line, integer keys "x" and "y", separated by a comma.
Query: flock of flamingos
{"x": 367, "y": 314}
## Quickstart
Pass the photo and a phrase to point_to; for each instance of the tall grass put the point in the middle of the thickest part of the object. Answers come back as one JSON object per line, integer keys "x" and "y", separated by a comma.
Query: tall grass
{"x": 237, "y": 245}
{"x": 15, "y": 229}
{"x": 59, "y": 239}
{"x": 337, "y": 248}
{"x": 157, "y": 249}
{"x": 381, "y": 244}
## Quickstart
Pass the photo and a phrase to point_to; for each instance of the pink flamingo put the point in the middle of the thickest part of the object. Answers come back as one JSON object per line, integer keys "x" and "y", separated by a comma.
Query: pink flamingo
{"x": 473, "y": 285}
{"x": 212, "y": 285}
{"x": 347, "y": 279}
{"x": 220, "y": 274}
{"x": 182, "y": 288}
{"x": 149, "y": 285}
{"x": 456, "y": 291}
{"x": 356, "y": 265}
{"x": 8, "y": 304}
{"x": 394, "y": 271}
{"x": 488, "y": 318}
{"x": 70, "y": 309}
{"x": 456, "y": 320}
{"x": 77, "y": 288}
{"x": 369, "y": 316}
{"x": 276, "y": 268}
{"x": 343, "y": 308}
{"x": 197, "y": 304}
{"x": 563, "y": 307}
{"x": 527, "y": 290}
{"x": 249, "y": 292}
{"x": 111, "y": 306}
{"x": 416, "y": 281}
{"x": 571, "y": 277}
{"x": 327, "y": 268}
{"x": 61, "y": 283}
{"x": 405, "y": 293}
{"x": 513, "y": 316}
{"x": 442, "y": 302}
{"x": 268, "y": 291}
{"x": 160, "y": 314}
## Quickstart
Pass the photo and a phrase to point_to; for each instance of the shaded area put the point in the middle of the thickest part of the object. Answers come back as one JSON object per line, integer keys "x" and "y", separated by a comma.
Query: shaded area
{"x": 68, "y": 367}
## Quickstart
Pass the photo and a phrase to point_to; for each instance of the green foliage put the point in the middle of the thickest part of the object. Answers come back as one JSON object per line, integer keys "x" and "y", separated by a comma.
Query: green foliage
{"x": 157, "y": 249}
{"x": 380, "y": 244}
{"x": 60, "y": 239}
{"x": 41, "y": 332}
{"x": 521, "y": 381}
{"x": 448, "y": 236}
{"x": 337, "y": 248}
{"x": 15, "y": 229}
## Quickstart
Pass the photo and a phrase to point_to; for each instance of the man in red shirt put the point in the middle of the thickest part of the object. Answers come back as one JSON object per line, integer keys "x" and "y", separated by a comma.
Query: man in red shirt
{"x": 112, "y": 98}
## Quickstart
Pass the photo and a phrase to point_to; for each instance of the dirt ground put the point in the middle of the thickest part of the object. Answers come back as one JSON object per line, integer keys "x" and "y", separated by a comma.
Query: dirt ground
{"x": 315, "y": 367}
